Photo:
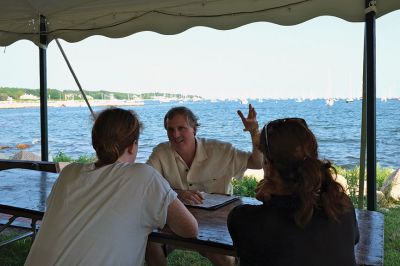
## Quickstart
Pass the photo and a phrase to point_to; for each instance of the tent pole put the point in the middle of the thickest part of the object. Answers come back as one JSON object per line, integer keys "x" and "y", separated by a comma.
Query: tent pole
{"x": 371, "y": 103}
{"x": 43, "y": 89}
{"x": 75, "y": 78}
{"x": 363, "y": 143}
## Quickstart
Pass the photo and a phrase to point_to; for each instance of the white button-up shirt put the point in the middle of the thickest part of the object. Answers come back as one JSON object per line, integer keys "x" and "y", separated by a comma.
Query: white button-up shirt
{"x": 214, "y": 165}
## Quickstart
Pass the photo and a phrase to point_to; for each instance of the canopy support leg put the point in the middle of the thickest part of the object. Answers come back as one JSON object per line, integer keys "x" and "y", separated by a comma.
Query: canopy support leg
{"x": 43, "y": 89}
{"x": 371, "y": 103}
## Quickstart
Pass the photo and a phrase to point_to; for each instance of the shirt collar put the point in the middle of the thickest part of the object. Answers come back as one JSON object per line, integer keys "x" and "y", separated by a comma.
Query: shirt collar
{"x": 201, "y": 153}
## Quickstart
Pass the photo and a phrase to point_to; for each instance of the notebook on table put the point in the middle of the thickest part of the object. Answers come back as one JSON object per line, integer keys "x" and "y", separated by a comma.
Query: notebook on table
{"x": 214, "y": 201}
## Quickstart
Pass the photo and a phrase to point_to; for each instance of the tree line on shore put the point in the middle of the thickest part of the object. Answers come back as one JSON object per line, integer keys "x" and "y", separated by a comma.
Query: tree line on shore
{"x": 8, "y": 93}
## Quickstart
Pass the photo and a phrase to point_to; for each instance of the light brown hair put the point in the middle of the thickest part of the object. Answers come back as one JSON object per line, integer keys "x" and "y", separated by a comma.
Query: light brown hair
{"x": 113, "y": 131}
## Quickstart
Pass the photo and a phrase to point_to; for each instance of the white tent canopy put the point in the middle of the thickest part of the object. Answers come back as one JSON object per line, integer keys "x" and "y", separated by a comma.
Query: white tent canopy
{"x": 74, "y": 20}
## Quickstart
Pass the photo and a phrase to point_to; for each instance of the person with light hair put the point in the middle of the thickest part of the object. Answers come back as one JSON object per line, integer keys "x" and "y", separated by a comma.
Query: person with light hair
{"x": 102, "y": 213}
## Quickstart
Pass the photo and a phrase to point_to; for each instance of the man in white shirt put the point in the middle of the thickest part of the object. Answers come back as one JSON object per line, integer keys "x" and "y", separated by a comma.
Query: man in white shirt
{"x": 192, "y": 164}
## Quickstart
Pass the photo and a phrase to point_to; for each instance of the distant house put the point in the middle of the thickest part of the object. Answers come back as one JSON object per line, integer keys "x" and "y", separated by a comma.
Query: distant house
{"x": 27, "y": 96}
{"x": 10, "y": 99}
{"x": 68, "y": 96}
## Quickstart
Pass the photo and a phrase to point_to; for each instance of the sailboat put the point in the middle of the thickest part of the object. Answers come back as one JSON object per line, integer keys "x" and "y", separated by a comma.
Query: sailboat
{"x": 349, "y": 99}
{"x": 244, "y": 101}
{"x": 329, "y": 101}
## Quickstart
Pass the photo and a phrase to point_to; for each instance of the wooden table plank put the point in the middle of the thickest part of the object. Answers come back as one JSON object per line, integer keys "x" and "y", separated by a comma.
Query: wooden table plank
{"x": 369, "y": 250}
{"x": 25, "y": 191}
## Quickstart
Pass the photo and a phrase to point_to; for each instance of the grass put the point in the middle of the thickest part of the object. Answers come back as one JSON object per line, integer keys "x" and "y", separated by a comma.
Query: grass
{"x": 184, "y": 258}
{"x": 16, "y": 253}
{"x": 392, "y": 235}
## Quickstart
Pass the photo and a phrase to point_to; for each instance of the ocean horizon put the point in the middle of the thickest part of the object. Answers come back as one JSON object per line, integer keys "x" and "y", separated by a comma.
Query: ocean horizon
{"x": 336, "y": 127}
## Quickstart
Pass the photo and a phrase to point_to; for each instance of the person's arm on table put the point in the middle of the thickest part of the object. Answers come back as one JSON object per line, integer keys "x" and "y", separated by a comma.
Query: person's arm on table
{"x": 181, "y": 221}
{"x": 190, "y": 196}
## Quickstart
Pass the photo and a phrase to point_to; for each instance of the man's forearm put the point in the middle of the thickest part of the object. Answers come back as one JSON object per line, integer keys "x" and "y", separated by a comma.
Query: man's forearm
{"x": 256, "y": 157}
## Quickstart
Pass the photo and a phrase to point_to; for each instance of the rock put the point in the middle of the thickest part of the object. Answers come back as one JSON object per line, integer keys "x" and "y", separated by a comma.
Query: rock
{"x": 26, "y": 155}
{"x": 380, "y": 197}
{"x": 61, "y": 165}
{"x": 22, "y": 146}
{"x": 343, "y": 181}
{"x": 4, "y": 156}
{"x": 391, "y": 186}
{"x": 4, "y": 147}
{"x": 257, "y": 173}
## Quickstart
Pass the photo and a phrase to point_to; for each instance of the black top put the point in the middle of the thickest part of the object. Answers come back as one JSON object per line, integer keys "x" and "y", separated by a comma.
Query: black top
{"x": 267, "y": 235}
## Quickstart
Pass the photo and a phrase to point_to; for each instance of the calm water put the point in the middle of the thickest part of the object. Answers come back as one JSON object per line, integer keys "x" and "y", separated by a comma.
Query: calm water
{"x": 337, "y": 127}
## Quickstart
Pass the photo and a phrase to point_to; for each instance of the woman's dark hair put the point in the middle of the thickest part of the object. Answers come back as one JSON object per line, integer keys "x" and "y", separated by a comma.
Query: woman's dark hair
{"x": 292, "y": 150}
{"x": 113, "y": 131}
{"x": 181, "y": 110}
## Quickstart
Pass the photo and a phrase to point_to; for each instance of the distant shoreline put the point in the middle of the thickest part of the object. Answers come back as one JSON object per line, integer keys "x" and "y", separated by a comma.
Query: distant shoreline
{"x": 32, "y": 104}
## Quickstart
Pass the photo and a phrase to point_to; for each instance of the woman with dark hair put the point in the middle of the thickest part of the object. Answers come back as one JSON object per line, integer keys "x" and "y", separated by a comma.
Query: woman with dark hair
{"x": 102, "y": 213}
{"x": 306, "y": 218}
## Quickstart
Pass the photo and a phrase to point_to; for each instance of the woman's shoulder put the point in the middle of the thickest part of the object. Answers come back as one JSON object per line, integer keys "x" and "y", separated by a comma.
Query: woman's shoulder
{"x": 74, "y": 168}
{"x": 245, "y": 210}
{"x": 144, "y": 171}
{"x": 137, "y": 169}
{"x": 243, "y": 216}
{"x": 149, "y": 177}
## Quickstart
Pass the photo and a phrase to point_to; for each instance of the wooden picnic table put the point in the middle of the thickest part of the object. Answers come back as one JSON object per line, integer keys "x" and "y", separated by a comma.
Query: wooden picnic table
{"x": 24, "y": 193}
{"x": 214, "y": 235}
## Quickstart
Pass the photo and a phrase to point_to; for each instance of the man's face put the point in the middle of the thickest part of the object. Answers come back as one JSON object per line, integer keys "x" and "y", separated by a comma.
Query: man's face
{"x": 181, "y": 134}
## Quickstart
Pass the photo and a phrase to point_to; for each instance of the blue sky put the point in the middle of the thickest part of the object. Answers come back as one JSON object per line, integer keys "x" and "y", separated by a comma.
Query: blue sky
{"x": 319, "y": 58}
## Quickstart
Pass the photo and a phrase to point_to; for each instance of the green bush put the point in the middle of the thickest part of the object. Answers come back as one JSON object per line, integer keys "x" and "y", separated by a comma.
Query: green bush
{"x": 86, "y": 159}
{"x": 245, "y": 186}
{"x": 62, "y": 157}
{"x": 352, "y": 177}
{"x": 381, "y": 175}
